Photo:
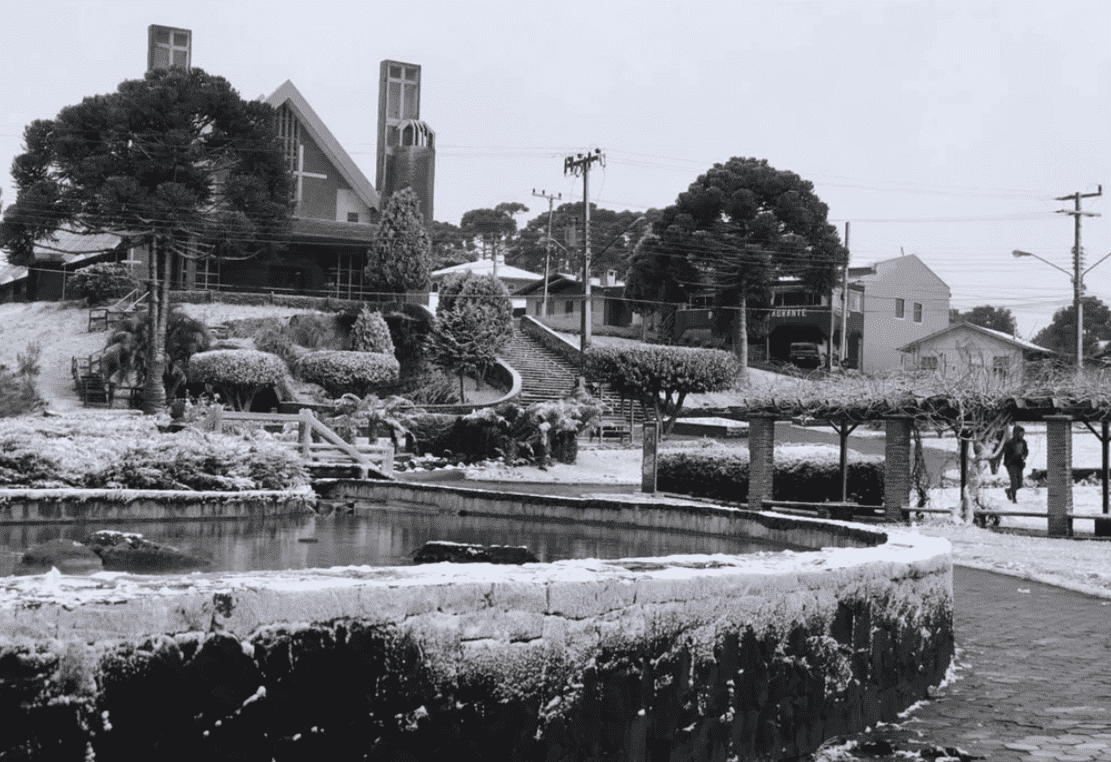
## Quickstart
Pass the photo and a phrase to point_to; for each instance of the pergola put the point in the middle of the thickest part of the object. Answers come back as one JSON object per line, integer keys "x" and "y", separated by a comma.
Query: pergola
{"x": 976, "y": 411}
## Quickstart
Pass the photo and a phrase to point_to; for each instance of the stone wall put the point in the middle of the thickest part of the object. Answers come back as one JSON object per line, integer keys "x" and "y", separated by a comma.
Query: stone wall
{"x": 678, "y": 658}
{"x": 68, "y": 506}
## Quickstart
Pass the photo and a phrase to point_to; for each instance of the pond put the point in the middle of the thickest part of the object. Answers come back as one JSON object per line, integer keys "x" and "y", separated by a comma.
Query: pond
{"x": 376, "y": 536}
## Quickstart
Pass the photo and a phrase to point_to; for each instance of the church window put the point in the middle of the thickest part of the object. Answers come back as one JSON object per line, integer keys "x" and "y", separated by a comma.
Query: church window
{"x": 289, "y": 132}
{"x": 407, "y": 136}
{"x": 395, "y": 72}
{"x": 393, "y": 106}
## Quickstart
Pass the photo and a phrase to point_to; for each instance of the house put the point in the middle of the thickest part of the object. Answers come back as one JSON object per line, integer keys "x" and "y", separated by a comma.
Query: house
{"x": 565, "y": 300}
{"x": 514, "y": 278}
{"x": 13, "y": 283}
{"x": 903, "y": 301}
{"x": 963, "y": 348}
{"x": 796, "y": 314}
{"x": 57, "y": 259}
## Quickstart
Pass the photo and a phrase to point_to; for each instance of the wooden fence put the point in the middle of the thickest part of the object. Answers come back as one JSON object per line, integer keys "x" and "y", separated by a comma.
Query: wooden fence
{"x": 315, "y": 441}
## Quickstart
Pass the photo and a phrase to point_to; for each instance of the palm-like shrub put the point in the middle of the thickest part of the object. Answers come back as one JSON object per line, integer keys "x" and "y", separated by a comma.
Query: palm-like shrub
{"x": 237, "y": 374}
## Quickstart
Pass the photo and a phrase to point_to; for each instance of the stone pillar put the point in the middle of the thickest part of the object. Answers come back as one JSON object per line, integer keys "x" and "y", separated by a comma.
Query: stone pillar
{"x": 1058, "y": 468}
{"x": 761, "y": 459}
{"x": 896, "y": 468}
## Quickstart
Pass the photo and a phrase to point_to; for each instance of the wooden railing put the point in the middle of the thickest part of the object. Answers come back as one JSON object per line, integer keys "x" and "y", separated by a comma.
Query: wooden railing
{"x": 331, "y": 448}
{"x": 103, "y": 318}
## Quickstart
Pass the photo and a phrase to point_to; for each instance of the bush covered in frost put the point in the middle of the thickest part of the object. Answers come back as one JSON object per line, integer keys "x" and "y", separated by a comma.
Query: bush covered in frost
{"x": 237, "y": 374}
{"x": 339, "y": 372}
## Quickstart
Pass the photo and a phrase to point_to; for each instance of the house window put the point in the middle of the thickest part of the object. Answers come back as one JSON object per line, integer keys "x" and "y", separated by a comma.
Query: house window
{"x": 1001, "y": 366}
{"x": 569, "y": 306}
{"x": 928, "y": 363}
{"x": 917, "y": 312}
{"x": 856, "y": 301}
{"x": 900, "y": 309}
{"x": 352, "y": 216}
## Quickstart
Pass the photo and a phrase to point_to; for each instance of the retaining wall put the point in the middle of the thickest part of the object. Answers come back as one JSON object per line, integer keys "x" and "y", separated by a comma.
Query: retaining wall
{"x": 68, "y": 506}
{"x": 679, "y": 658}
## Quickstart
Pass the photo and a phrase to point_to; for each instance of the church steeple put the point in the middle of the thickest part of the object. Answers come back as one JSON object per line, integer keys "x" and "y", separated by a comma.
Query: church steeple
{"x": 406, "y": 145}
{"x": 168, "y": 47}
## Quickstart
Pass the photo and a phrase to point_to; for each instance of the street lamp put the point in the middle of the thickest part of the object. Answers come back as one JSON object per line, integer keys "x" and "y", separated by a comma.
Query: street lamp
{"x": 1077, "y": 278}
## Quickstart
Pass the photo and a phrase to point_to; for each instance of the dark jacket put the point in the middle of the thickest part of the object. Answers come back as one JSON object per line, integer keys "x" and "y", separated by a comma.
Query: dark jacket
{"x": 1015, "y": 452}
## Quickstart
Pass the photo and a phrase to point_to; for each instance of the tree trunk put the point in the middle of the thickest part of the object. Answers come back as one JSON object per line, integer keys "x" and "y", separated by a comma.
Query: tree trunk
{"x": 462, "y": 391}
{"x": 740, "y": 337}
{"x": 154, "y": 390}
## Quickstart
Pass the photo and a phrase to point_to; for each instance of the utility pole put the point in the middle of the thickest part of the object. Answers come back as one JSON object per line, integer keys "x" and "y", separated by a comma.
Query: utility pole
{"x": 845, "y": 302}
{"x": 548, "y": 247}
{"x": 1078, "y": 266}
{"x": 576, "y": 165}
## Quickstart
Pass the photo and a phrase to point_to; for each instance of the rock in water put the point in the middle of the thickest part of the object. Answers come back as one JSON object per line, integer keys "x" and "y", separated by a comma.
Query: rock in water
{"x": 127, "y": 551}
{"x": 437, "y": 551}
{"x": 69, "y": 556}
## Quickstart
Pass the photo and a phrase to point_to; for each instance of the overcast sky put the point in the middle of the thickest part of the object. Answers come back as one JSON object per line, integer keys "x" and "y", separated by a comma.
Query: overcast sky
{"x": 942, "y": 129}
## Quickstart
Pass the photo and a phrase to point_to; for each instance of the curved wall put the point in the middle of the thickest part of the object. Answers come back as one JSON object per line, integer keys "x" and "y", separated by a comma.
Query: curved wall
{"x": 678, "y": 658}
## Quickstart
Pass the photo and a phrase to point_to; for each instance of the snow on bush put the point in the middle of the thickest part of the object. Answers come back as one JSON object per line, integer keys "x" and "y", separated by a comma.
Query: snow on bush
{"x": 103, "y": 451}
{"x": 371, "y": 334}
{"x": 805, "y": 473}
{"x": 340, "y": 372}
{"x": 237, "y": 374}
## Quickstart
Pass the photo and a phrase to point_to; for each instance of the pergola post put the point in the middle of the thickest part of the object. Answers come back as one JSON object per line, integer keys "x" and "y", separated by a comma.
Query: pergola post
{"x": 1058, "y": 466}
{"x": 761, "y": 459}
{"x": 897, "y": 467}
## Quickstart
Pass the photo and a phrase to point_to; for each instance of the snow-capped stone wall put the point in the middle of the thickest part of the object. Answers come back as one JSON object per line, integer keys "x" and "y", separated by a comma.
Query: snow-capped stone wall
{"x": 681, "y": 658}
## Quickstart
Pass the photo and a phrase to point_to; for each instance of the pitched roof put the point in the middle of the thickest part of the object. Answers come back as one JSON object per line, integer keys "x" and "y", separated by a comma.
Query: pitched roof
{"x": 10, "y": 273}
{"x": 69, "y": 246}
{"x": 872, "y": 271}
{"x": 486, "y": 267}
{"x": 998, "y": 335}
{"x": 323, "y": 137}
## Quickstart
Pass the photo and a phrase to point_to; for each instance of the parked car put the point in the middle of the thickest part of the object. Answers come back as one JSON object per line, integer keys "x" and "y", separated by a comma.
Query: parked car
{"x": 805, "y": 354}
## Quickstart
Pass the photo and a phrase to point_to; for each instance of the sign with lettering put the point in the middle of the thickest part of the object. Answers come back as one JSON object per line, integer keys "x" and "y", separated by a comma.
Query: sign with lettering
{"x": 789, "y": 312}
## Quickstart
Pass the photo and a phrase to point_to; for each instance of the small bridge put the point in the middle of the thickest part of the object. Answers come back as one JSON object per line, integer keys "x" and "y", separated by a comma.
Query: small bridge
{"x": 317, "y": 444}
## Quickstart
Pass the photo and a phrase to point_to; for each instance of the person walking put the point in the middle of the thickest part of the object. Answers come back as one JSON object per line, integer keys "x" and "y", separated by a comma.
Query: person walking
{"x": 1014, "y": 460}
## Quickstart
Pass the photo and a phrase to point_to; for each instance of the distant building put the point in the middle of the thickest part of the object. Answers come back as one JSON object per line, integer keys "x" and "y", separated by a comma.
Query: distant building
{"x": 904, "y": 300}
{"x": 565, "y": 301}
{"x": 514, "y": 278}
{"x": 963, "y": 348}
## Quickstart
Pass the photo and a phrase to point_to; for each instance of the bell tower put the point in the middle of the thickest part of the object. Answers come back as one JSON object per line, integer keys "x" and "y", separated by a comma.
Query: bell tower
{"x": 406, "y": 145}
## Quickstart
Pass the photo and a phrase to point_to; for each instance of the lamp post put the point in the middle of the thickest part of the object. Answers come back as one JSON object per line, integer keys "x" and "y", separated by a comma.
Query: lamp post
{"x": 1077, "y": 278}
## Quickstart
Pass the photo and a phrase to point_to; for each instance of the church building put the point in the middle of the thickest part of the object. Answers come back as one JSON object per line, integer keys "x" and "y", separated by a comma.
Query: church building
{"x": 335, "y": 205}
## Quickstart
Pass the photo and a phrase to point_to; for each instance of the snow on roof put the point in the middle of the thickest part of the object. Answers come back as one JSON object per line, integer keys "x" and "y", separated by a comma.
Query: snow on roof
{"x": 9, "y": 273}
{"x": 999, "y": 335}
{"x": 70, "y": 246}
{"x": 486, "y": 267}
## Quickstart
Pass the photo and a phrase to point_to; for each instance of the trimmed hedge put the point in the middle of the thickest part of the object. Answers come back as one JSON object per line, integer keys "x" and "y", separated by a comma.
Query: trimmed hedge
{"x": 371, "y": 334}
{"x": 807, "y": 473}
{"x": 340, "y": 372}
{"x": 237, "y": 374}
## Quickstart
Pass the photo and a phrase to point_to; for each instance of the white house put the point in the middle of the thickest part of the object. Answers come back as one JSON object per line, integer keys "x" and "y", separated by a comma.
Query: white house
{"x": 904, "y": 301}
{"x": 962, "y": 348}
{"x": 513, "y": 278}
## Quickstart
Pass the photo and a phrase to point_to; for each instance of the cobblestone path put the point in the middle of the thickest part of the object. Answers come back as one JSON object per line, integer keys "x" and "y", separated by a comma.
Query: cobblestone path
{"x": 1035, "y": 676}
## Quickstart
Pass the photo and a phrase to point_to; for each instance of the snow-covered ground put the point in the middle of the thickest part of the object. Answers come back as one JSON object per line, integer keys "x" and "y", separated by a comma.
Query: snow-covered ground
{"x": 1082, "y": 564}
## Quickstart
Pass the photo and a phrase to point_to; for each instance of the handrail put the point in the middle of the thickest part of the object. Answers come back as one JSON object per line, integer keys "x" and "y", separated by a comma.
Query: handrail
{"x": 308, "y": 424}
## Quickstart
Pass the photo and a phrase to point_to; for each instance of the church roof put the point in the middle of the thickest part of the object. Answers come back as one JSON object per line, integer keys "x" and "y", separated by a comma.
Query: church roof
{"x": 287, "y": 93}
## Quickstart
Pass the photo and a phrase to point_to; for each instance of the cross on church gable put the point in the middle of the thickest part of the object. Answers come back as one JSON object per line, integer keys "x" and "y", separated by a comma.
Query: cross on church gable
{"x": 301, "y": 174}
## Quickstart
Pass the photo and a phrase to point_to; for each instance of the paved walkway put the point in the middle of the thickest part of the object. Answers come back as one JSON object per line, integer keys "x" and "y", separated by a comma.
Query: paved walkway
{"x": 1035, "y": 675}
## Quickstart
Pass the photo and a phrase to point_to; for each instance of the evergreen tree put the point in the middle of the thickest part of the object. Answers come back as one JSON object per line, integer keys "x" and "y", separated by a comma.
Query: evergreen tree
{"x": 474, "y": 321}
{"x": 176, "y": 162}
{"x": 400, "y": 258}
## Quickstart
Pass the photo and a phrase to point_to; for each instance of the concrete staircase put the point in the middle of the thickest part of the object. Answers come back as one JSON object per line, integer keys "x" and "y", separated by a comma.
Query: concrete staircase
{"x": 545, "y": 375}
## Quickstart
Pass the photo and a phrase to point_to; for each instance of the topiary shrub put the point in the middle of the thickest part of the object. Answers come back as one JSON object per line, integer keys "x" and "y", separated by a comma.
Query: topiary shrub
{"x": 371, "y": 334}
{"x": 237, "y": 374}
{"x": 317, "y": 331}
{"x": 660, "y": 375}
{"x": 100, "y": 283}
{"x": 805, "y": 473}
{"x": 339, "y": 372}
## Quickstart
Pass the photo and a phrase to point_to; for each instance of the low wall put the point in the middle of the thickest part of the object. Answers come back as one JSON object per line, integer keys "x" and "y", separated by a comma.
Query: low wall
{"x": 68, "y": 506}
{"x": 683, "y": 658}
